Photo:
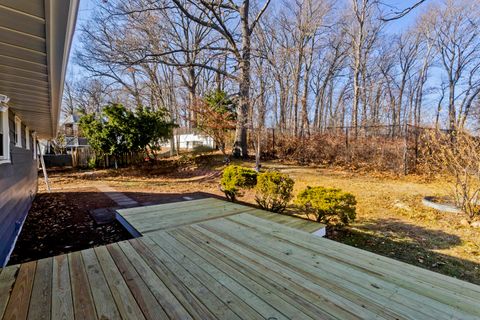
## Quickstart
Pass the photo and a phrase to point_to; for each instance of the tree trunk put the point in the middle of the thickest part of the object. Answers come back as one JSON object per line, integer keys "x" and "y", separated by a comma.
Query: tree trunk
{"x": 240, "y": 146}
{"x": 296, "y": 89}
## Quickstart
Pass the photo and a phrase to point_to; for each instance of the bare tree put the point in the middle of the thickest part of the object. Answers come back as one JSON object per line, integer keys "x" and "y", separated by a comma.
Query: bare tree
{"x": 457, "y": 34}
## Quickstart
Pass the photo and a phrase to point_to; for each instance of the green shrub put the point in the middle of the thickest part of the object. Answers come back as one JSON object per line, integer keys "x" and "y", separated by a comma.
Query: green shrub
{"x": 235, "y": 178}
{"x": 92, "y": 163}
{"x": 273, "y": 191}
{"x": 328, "y": 205}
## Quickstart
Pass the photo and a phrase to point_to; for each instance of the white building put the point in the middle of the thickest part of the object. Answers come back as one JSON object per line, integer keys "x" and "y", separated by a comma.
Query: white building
{"x": 188, "y": 139}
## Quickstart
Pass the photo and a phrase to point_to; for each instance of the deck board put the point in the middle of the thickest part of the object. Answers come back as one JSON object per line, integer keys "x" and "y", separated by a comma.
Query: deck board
{"x": 17, "y": 307}
{"x": 359, "y": 288}
{"x": 41, "y": 301}
{"x": 84, "y": 306}
{"x": 104, "y": 303}
{"x": 7, "y": 280}
{"x": 232, "y": 266}
{"x": 144, "y": 297}
{"x": 172, "y": 215}
{"x": 62, "y": 301}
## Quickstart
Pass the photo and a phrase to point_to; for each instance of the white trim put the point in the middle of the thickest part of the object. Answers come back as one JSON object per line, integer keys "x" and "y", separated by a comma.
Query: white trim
{"x": 18, "y": 132}
{"x": 34, "y": 141}
{"x": 6, "y": 135}
{"x": 27, "y": 138}
{"x": 60, "y": 17}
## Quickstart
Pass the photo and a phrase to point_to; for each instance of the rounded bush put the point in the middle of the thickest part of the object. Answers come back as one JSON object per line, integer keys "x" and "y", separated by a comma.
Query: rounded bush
{"x": 328, "y": 205}
{"x": 273, "y": 191}
{"x": 235, "y": 178}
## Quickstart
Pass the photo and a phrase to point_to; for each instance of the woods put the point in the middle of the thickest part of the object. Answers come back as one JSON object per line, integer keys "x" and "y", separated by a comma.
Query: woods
{"x": 300, "y": 67}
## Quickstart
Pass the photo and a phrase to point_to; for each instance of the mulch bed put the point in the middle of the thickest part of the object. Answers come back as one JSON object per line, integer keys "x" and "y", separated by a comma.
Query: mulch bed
{"x": 59, "y": 223}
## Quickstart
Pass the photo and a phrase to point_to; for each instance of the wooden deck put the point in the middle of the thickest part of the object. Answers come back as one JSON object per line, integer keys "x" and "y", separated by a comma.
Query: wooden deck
{"x": 149, "y": 219}
{"x": 234, "y": 267}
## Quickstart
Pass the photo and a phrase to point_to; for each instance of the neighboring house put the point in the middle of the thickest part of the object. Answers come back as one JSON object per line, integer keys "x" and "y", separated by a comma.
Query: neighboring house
{"x": 73, "y": 135}
{"x": 189, "y": 139}
{"x": 35, "y": 37}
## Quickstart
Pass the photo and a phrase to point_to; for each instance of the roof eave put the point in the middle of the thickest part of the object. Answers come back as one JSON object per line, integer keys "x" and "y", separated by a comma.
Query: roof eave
{"x": 61, "y": 16}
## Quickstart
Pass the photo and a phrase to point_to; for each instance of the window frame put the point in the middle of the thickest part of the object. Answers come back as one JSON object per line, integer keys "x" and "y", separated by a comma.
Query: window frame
{"x": 18, "y": 132}
{"x": 6, "y": 135}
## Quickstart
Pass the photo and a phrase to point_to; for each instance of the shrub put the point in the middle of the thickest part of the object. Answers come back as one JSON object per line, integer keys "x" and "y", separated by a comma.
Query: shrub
{"x": 92, "y": 163}
{"x": 235, "y": 178}
{"x": 456, "y": 154}
{"x": 328, "y": 205}
{"x": 273, "y": 191}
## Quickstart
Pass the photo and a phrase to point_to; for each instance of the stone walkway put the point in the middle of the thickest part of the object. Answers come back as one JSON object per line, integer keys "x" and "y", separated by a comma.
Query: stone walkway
{"x": 119, "y": 198}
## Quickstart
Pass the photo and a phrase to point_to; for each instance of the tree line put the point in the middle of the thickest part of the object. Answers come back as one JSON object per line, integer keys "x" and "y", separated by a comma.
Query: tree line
{"x": 299, "y": 66}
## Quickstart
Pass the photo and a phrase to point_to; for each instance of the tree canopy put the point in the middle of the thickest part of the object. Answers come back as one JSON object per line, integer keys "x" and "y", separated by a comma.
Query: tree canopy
{"x": 118, "y": 130}
{"x": 215, "y": 115}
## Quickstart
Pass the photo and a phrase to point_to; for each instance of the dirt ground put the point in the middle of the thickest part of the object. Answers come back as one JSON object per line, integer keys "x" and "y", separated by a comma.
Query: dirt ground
{"x": 391, "y": 219}
{"x": 59, "y": 222}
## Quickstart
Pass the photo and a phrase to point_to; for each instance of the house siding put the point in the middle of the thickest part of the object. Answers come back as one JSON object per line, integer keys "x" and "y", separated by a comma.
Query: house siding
{"x": 18, "y": 186}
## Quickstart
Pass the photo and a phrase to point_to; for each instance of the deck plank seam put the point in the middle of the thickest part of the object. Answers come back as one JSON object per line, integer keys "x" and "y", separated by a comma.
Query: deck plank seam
{"x": 123, "y": 245}
{"x": 248, "y": 263}
{"x": 177, "y": 236}
{"x": 218, "y": 302}
{"x": 190, "y": 298}
{"x": 362, "y": 290}
{"x": 209, "y": 276}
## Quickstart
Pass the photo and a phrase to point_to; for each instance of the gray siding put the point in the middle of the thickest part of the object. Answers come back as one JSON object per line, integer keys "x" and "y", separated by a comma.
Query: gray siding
{"x": 18, "y": 186}
{"x": 24, "y": 138}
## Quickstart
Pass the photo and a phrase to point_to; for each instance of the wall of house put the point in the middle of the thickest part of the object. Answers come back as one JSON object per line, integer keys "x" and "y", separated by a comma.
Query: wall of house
{"x": 18, "y": 186}
{"x": 190, "y": 141}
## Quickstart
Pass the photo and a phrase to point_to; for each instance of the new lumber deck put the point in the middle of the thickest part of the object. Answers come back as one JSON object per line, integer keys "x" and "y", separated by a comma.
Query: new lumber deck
{"x": 238, "y": 266}
{"x": 171, "y": 215}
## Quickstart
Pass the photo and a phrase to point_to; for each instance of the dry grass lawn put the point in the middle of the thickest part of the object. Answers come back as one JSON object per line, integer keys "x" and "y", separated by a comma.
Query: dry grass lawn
{"x": 391, "y": 219}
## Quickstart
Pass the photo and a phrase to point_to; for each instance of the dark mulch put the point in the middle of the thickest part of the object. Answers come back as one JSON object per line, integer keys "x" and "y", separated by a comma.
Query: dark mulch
{"x": 59, "y": 223}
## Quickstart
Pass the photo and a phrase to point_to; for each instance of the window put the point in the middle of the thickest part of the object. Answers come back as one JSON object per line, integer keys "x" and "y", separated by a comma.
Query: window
{"x": 27, "y": 138}
{"x": 4, "y": 136}
{"x": 18, "y": 132}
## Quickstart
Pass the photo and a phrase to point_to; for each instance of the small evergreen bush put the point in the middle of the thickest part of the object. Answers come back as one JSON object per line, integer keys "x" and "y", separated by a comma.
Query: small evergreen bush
{"x": 235, "y": 178}
{"x": 328, "y": 205}
{"x": 273, "y": 191}
{"x": 92, "y": 163}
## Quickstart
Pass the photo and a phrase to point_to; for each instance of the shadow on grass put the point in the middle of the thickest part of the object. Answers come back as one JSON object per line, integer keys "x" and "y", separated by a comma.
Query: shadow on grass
{"x": 414, "y": 234}
{"x": 411, "y": 244}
